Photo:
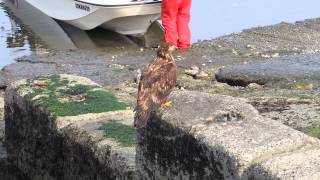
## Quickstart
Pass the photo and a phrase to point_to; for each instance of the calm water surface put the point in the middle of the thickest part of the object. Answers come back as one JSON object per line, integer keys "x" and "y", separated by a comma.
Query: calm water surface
{"x": 25, "y": 30}
{"x": 212, "y": 18}
{"x": 13, "y": 43}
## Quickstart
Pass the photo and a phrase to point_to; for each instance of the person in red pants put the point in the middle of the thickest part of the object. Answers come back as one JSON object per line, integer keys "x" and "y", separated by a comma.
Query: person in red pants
{"x": 175, "y": 16}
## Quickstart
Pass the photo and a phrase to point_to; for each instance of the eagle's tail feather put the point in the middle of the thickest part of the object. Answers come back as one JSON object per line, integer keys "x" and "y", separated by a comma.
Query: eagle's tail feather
{"x": 141, "y": 117}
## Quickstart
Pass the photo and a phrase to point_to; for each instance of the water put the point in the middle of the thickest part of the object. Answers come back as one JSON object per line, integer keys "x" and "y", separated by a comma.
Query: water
{"x": 25, "y": 30}
{"x": 210, "y": 18}
{"x": 12, "y": 41}
{"x": 34, "y": 32}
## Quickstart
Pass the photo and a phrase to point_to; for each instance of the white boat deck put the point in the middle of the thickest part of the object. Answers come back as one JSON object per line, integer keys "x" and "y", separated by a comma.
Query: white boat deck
{"x": 122, "y": 16}
{"x": 118, "y": 2}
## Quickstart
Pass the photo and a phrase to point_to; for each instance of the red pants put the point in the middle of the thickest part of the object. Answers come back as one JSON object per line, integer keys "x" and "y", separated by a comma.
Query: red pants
{"x": 175, "y": 15}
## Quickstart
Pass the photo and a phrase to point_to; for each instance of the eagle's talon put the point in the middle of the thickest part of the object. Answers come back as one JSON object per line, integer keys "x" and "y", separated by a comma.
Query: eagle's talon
{"x": 166, "y": 104}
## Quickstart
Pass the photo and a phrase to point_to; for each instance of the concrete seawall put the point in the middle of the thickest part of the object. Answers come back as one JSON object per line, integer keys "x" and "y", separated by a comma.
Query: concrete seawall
{"x": 48, "y": 143}
{"x": 203, "y": 136}
{"x": 194, "y": 140}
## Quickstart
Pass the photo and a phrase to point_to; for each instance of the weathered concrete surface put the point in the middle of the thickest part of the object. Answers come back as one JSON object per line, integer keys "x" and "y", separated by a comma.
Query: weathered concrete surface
{"x": 193, "y": 140}
{"x": 46, "y": 146}
{"x": 304, "y": 162}
{"x": 108, "y": 159}
{"x": 10, "y": 172}
{"x": 295, "y": 113}
{"x": 7, "y": 170}
{"x": 94, "y": 65}
{"x": 285, "y": 70}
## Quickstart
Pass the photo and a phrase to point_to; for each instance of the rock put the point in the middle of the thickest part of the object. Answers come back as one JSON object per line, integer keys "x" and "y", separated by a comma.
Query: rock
{"x": 194, "y": 70}
{"x": 192, "y": 140}
{"x": 68, "y": 140}
{"x": 137, "y": 76}
{"x": 202, "y": 75}
{"x": 303, "y": 86}
{"x": 254, "y": 86}
{"x": 234, "y": 52}
{"x": 265, "y": 56}
{"x": 101, "y": 69}
{"x": 251, "y": 47}
{"x": 3, "y": 84}
{"x": 303, "y": 69}
{"x": 275, "y": 55}
{"x": 10, "y": 172}
{"x": 1, "y": 118}
{"x": 3, "y": 152}
{"x": 179, "y": 58}
{"x": 40, "y": 83}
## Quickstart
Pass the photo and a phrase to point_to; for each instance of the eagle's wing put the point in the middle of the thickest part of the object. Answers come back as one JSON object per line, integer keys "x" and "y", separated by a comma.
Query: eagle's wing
{"x": 156, "y": 82}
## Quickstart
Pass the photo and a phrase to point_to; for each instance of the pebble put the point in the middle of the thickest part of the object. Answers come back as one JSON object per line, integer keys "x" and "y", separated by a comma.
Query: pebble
{"x": 234, "y": 52}
{"x": 251, "y": 47}
{"x": 275, "y": 55}
{"x": 265, "y": 55}
{"x": 202, "y": 75}
{"x": 254, "y": 86}
{"x": 194, "y": 70}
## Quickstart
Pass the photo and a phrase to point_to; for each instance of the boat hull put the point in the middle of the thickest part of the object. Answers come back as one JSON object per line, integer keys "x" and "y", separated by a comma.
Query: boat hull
{"x": 128, "y": 19}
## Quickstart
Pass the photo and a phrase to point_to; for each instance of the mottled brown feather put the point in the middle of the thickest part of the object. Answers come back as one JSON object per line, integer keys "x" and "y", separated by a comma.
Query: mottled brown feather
{"x": 157, "y": 81}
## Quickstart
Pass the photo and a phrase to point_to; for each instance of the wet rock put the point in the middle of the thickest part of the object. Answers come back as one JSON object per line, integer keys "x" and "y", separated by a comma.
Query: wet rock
{"x": 282, "y": 70}
{"x": 10, "y": 172}
{"x": 84, "y": 63}
{"x": 7, "y": 170}
{"x": 300, "y": 115}
{"x": 189, "y": 141}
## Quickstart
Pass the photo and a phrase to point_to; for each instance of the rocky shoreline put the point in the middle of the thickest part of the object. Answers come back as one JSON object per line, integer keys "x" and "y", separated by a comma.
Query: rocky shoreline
{"x": 286, "y": 56}
{"x": 280, "y": 50}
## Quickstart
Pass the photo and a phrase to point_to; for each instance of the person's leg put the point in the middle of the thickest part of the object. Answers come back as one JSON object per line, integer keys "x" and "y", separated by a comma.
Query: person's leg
{"x": 169, "y": 11}
{"x": 183, "y": 19}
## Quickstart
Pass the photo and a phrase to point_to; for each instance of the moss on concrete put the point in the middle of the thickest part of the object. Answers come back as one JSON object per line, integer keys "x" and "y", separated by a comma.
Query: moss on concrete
{"x": 65, "y": 98}
{"x": 123, "y": 134}
{"x": 315, "y": 132}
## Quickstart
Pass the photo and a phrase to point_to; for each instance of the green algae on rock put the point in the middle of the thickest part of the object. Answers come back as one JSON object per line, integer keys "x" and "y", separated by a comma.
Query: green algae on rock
{"x": 123, "y": 134}
{"x": 63, "y": 97}
{"x": 314, "y": 132}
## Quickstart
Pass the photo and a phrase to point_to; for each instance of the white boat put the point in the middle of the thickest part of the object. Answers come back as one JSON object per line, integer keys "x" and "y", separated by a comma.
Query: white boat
{"x": 128, "y": 17}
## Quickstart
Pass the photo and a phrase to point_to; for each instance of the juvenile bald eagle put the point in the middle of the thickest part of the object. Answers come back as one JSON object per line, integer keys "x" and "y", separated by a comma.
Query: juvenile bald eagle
{"x": 156, "y": 82}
